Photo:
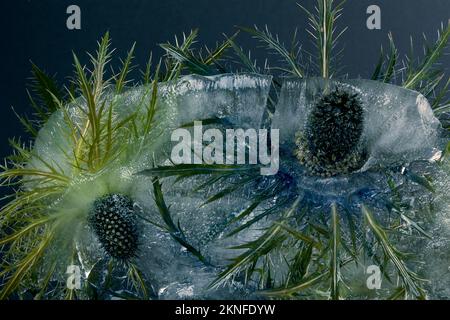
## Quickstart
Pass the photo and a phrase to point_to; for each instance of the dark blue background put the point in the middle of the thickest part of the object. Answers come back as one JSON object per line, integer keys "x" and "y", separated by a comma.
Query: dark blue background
{"x": 36, "y": 30}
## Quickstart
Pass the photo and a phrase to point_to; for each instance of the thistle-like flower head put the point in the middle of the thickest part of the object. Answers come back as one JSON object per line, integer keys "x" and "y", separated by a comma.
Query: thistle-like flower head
{"x": 357, "y": 166}
{"x": 332, "y": 141}
{"x": 114, "y": 221}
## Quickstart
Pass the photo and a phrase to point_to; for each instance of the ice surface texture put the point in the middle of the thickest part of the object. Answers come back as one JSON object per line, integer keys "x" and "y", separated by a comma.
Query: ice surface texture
{"x": 399, "y": 128}
{"x": 172, "y": 271}
{"x": 399, "y": 125}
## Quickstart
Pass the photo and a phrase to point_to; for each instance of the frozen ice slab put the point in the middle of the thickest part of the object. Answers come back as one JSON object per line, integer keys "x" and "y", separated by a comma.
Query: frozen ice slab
{"x": 400, "y": 127}
{"x": 399, "y": 123}
{"x": 238, "y": 98}
{"x": 241, "y": 98}
{"x": 436, "y": 252}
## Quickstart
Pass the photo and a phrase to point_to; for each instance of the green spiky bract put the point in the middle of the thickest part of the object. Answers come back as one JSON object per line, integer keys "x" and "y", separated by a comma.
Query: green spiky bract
{"x": 43, "y": 219}
{"x": 315, "y": 249}
{"x": 36, "y": 236}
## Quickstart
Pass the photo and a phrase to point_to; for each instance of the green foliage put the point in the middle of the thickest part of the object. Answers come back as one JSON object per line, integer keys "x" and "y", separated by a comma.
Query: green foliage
{"x": 169, "y": 225}
{"x": 385, "y": 69}
{"x": 121, "y": 81}
{"x": 271, "y": 239}
{"x": 33, "y": 227}
{"x": 409, "y": 279}
{"x": 180, "y": 56}
{"x": 334, "y": 261}
{"x": 422, "y": 74}
{"x": 45, "y": 89}
{"x": 196, "y": 169}
{"x": 312, "y": 249}
{"x": 323, "y": 24}
{"x": 273, "y": 43}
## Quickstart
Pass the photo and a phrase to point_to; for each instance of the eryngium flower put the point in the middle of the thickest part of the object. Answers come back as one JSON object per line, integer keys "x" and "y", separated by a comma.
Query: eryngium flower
{"x": 331, "y": 144}
{"x": 114, "y": 221}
